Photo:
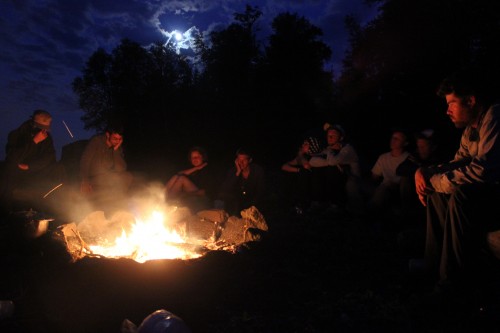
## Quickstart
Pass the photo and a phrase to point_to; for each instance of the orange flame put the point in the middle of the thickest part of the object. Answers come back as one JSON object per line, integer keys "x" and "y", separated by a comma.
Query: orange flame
{"x": 147, "y": 240}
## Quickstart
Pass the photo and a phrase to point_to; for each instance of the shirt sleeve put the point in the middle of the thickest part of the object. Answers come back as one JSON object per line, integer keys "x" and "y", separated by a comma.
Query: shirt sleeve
{"x": 346, "y": 155}
{"x": 475, "y": 161}
{"x": 119, "y": 164}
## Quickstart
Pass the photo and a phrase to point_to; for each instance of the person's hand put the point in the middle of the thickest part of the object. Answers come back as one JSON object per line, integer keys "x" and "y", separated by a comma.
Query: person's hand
{"x": 23, "y": 166}
{"x": 307, "y": 165}
{"x": 422, "y": 186}
{"x": 40, "y": 136}
{"x": 238, "y": 167}
{"x": 115, "y": 147}
{"x": 336, "y": 147}
{"x": 85, "y": 187}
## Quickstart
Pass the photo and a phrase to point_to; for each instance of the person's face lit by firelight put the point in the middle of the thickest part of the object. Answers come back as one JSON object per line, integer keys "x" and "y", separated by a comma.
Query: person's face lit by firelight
{"x": 333, "y": 137}
{"x": 114, "y": 140}
{"x": 461, "y": 110}
{"x": 243, "y": 161}
{"x": 196, "y": 158}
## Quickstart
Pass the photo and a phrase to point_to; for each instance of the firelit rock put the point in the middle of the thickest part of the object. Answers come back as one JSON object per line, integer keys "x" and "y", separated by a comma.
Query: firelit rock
{"x": 200, "y": 228}
{"x": 214, "y": 215}
{"x": 234, "y": 231}
{"x": 237, "y": 231}
{"x": 254, "y": 218}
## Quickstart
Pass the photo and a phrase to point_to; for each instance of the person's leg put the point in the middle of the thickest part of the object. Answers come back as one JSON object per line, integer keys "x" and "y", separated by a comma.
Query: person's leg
{"x": 335, "y": 186}
{"x": 437, "y": 210}
{"x": 379, "y": 201}
{"x": 303, "y": 189}
{"x": 181, "y": 184}
{"x": 291, "y": 188}
{"x": 408, "y": 197}
{"x": 469, "y": 215}
{"x": 355, "y": 199}
{"x": 170, "y": 184}
{"x": 318, "y": 182}
{"x": 187, "y": 186}
{"x": 174, "y": 186}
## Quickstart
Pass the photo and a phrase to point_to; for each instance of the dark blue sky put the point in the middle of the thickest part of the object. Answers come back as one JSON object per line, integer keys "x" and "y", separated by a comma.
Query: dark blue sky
{"x": 45, "y": 44}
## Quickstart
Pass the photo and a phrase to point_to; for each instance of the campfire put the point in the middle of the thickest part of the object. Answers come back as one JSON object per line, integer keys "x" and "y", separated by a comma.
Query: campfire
{"x": 167, "y": 233}
{"x": 148, "y": 239}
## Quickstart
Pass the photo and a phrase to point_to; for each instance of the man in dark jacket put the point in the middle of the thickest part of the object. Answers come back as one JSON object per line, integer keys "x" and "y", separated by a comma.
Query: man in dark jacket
{"x": 103, "y": 169}
{"x": 30, "y": 161}
{"x": 243, "y": 186}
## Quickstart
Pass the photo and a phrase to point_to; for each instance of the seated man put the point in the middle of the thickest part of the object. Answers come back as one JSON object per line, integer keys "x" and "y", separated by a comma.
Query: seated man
{"x": 30, "y": 168}
{"x": 103, "y": 169}
{"x": 297, "y": 181}
{"x": 244, "y": 185}
{"x": 461, "y": 196}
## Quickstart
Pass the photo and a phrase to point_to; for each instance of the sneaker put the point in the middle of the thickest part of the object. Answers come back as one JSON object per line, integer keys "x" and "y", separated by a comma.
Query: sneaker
{"x": 298, "y": 210}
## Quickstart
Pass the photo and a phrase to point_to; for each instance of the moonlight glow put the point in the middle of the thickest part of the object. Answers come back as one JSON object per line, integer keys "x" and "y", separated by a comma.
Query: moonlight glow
{"x": 178, "y": 40}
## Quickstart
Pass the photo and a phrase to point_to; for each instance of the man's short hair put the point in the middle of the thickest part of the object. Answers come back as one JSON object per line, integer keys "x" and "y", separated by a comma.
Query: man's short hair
{"x": 470, "y": 82}
{"x": 115, "y": 128}
{"x": 243, "y": 151}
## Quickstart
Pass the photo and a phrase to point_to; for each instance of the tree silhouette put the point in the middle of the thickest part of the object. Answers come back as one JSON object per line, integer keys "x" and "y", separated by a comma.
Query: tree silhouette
{"x": 237, "y": 94}
{"x": 94, "y": 90}
{"x": 395, "y": 63}
{"x": 295, "y": 89}
{"x": 144, "y": 88}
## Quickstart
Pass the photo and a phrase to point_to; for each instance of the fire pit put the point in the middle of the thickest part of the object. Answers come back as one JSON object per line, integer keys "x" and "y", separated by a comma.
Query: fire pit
{"x": 167, "y": 233}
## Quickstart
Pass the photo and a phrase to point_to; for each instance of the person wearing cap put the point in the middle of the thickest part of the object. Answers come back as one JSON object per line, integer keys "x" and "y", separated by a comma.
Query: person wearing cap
{"x": 339, "y": 176}
{"x": 30, "y": 160}
{"x": 298, "y": 174}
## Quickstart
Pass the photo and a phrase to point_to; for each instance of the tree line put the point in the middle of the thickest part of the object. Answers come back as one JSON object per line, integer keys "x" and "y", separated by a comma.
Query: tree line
{"x": 235, "y": 90}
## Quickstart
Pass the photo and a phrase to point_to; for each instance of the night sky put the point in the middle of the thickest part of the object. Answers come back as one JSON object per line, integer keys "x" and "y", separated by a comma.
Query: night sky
{"x": 45, "y": 44}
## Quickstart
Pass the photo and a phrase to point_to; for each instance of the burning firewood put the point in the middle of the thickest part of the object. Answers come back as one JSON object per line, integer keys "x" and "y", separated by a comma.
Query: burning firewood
{"x": 167, "y": 234}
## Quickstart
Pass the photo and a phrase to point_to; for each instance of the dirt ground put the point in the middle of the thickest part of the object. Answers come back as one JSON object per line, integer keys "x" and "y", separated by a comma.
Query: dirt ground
{"x": 321, "y": 272}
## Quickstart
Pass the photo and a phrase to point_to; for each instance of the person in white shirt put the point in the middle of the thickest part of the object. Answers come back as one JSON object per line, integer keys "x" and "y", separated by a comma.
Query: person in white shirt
{"x": 387, "y": 193}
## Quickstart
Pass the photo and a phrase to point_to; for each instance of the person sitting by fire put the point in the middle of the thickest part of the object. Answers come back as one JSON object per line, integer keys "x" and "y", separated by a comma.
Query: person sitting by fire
{"x": 426, "y": 154}
{"x": 385, "y": 193}
{"x": 103, "y": 169}
{"x": 297, "y": 172}
{"x": 193, "y": 186}
{"x": 338, "y": 172}
{"x": 30, "y": 162}
{"x": 243, "y": 186}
